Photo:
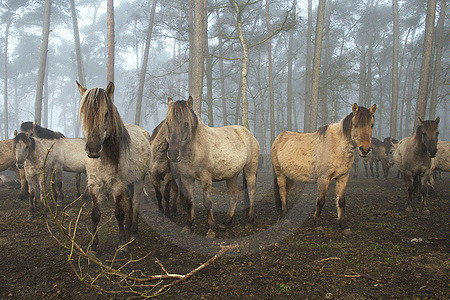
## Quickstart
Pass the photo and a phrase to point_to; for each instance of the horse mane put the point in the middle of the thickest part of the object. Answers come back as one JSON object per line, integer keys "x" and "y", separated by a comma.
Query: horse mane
{"x": 179, "y": 112}
{"x": 155, "y": 131}
{"x": 363, "y": 117}
{"x": 26, "y": 139}
{"x": 94, "y": 109}
{"x": 40, "y": 132}
{"x": 322, "y": 130}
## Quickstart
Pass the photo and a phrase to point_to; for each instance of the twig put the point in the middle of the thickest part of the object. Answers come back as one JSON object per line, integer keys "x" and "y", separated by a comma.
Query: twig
{"x": 329, "y": 258}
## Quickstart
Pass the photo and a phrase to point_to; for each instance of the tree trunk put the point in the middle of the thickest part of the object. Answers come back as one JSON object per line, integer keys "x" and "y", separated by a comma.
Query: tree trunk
{"x": 362, "y": 74}
{"x": 5, "y": 73}
{"x": 190, "y": 18}
{"x": 45, "y": 99}
{"x": 289, "y": 75}
{"x": 271, "y": 92}
{"x": 326, "y": 62}
{"x": 222, "y": 77}
{"x": 42, "y": 63}
{"x": 394, "y": 107}
{"x": 426, "y": 62}
{"x": 140, "y": 94}
{"x": 307, "y": 111}
{"x": 208, "y": 70}
{"x": 197, "y": 58}
{"x": 437, "y": 61}
{"x": 111, "y": 41}
{"x": 316, "y": 65}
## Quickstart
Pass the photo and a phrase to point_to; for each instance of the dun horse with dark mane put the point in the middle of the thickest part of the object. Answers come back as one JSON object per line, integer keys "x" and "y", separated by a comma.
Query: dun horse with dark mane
{"x": 207, "y": 154}
{"x": 119, "y": 157}
{"x": 320, "y": 157}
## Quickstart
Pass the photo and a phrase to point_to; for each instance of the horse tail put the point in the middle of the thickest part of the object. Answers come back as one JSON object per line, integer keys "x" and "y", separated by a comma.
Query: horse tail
{"x": 276, "y": 190}
{"x": 246, "y": 196}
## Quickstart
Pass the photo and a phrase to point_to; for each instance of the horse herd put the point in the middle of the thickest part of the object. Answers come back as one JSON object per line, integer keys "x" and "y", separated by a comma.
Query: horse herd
{"x": 182, "y": 149}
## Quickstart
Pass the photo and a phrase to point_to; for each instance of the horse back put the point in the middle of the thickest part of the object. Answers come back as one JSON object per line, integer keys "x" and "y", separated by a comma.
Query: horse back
{"x": 71, "y": 154}
{"x": 442, "y": 159}
{"x": 7, "y": 157}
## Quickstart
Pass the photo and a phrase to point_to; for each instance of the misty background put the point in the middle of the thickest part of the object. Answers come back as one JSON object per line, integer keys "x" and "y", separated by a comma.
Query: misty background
{"x": 356, "y": 62}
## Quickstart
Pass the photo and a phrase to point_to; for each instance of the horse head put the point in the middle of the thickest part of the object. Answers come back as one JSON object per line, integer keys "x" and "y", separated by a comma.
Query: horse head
{"x": 96, "y": 115}
{"x": 428, "y": 133}
{"x": 23, "y": 145}
{"x": 393, "y": 144}
{"x": 181, "y": 123}
{"x": 360, "y": 128}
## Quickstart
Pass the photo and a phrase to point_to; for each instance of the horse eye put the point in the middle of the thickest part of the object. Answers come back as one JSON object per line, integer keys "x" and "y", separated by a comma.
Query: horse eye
{"x": 371, "y": 126}
{"x": 437, "y": 133}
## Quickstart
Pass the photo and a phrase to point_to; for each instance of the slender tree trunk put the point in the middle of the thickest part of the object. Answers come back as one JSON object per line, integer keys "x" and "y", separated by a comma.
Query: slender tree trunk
{"x": 45, "y": 99}
{"x": 408, "y": 129}
{"x": 325, "y": 69}
{"x": 140, "y": 94}
{"x": 289, "y": 75}
{"x": 42, "y": 63}
{"x": 222, "y": 78}
{"x": 437, "y": 60}
{"x": 307, "y": 111}
{"x": 208, "y": 70}
{"x": 5, "y": 73}
{"x": 394, "y": 112}
{"x": 111, "y": 42}
{"x": 362, "y": 74}
{"x": 426, "y": 62}
{"x": 316, "y": 64}
{"x": 197, "y": 59}
{"x": 190, "y": 18}
{"x": 271, "y": 91}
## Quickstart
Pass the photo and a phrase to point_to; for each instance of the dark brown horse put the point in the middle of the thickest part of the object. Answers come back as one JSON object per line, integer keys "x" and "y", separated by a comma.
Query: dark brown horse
{"x": 413, "y": 157}
{"x": 320, "y": 157}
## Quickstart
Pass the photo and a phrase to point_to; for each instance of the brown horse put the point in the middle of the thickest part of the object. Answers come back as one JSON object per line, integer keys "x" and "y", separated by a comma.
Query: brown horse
{"x": 207, "y": 154}
{"x": 8, "y": 161}
{"x": 413, "y": 156}
{"x": 320, "y": 157}
{"x": 118, "y": 157}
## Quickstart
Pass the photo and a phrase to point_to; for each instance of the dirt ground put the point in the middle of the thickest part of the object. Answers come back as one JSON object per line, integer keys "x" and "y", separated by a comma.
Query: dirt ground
{"x": 281, "y": 260}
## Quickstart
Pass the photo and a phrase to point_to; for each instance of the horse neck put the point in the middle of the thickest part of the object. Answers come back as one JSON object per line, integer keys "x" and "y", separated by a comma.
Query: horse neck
{"x": 347, "y": 144}
{"x": 419, "y": 146}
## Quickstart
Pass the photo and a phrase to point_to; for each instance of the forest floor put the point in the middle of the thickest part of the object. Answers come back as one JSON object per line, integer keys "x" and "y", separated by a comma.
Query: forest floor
{"x": 275, "y": 260}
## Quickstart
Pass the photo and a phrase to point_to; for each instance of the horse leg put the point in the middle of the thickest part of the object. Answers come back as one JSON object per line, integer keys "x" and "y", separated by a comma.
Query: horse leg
{"x": 409, "y": 180}
{"x": 250, "y": 180}
{"x": 233, "y": 189}
{"x": 123, "y": 213}
{"x": 78, "y": 183}
{"x": 207, "y": 204}
{"x": 187, "y": 193}
{"x": 280, "y": 194}
{"x": 32, "y": 196}
{"x": 371, "y": 163}
{"x": 355, "y": 168}
{"x": 170, "y": 207}
{"x": 322, "y": 188}
{"x": 23, "y": 184}
{"x": 341, "y": 184}
{"x": 136, "y": 202}
{"x": 366, "y": 168}
{"x": 58, "y": 182}
{"x": 97, "y": 193}
{"x": 376, "y": 168}
{"x": 156, "y": 185}
{"x": 423, "y": 191}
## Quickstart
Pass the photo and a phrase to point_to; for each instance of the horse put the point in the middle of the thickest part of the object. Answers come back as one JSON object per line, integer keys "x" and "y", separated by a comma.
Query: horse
{"x": 413, "y": 156}
{"x": 206, "y": 154}
{"x": 160, "y": 169}
{"x": 320, "y": 157}
{"x": 30, "y": 154}
{"x": 387, "y": 144}
{"x": 377, "y": 155}
{"x": 35, "y": 130}
{"x": 441, "y": 162}
{"x": 8, "y": 161}
{"x": 118, "y": 158}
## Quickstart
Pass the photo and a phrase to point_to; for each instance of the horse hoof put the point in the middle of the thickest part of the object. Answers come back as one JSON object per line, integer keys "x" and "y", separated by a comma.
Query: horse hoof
{"x": 425, "y": 211}
{"x": 186, "y": 230}
{"x": 210, "y": 234}
{"x": 347, "y": 231}
{"x": 409, "y": 208}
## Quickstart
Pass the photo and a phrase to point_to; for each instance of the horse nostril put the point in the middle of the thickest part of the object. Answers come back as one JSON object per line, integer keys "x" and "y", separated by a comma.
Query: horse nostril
{"x": 363, "y": 151}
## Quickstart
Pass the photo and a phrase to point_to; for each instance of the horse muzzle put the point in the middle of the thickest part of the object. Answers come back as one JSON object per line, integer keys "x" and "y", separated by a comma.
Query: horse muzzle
{"x": 19, "y": 165}
{"x": 174, "y": 160}
{"x": 93, "y": 155}
{"x": 363, "y": 152}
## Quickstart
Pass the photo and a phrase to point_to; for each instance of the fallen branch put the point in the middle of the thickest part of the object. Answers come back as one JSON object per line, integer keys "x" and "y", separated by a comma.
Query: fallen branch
{"x": 329, "y": 258}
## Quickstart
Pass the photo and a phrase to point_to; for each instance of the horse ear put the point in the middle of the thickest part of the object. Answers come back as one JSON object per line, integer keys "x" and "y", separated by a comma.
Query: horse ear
{"x": 420, "y": 119}
{"x": 437, "y": 120}
{"x": 373, "y": 108}
{"x": 15, "y": 132}
{"x": 355, "y": 108}
{"x": 169, "y": 100}
{"x": 190, "y": 102}
{"x": 110, "y": 89}
{"x": 81, "y": 88}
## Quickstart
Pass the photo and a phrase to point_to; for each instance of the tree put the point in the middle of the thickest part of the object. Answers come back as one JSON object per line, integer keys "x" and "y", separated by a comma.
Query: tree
{"x": 271, "y": 92}
{"x": 42, "y": 62}
{"x": 437, "y": 60}
{"x": 196, "y": 86}
{"x": 5, "y": 71}
{"x": 393, "y": 122}
{"x": 137, "y": 118}
{"x": 307, "y": 110}
{"x": 426, "y": 62}
{"x": 111, "y": 42}
{"x": 316, "y": 65}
